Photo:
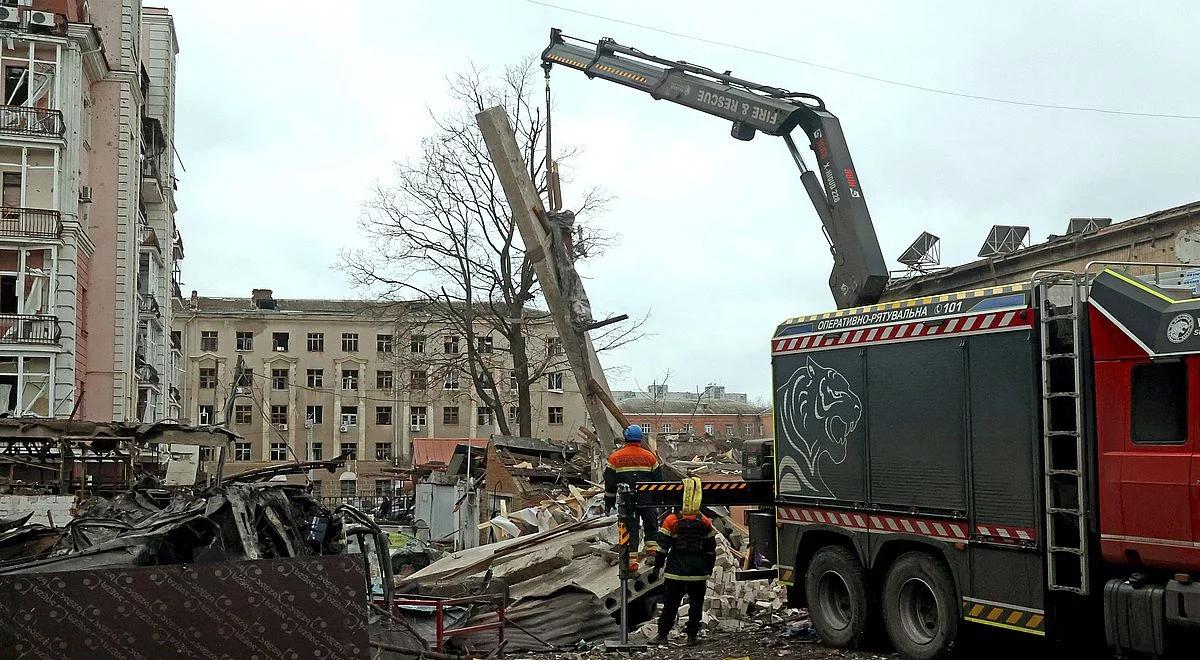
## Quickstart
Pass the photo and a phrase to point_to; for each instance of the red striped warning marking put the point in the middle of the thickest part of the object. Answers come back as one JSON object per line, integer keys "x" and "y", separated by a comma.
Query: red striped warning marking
{"x": 905, "y": 331}
{"x": 1006, "y": 534}
{"x": 875, "y": 523}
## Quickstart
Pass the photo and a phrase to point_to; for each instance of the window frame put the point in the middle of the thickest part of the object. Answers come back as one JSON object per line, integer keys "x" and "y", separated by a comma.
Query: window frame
{"x": 385, "y": 343}
{"x": 210, "y": 378}
{"x": 205, "y": 346}
{"x": 416, "y": 343}
{"x": 243, "y": 413}
{"x": 243, "y": 341}
{"x": 385, "y": 379}
{"x": 279, "y": 414}
{"x": 238, "y": 448}
{"x": 315, "y": 377}
{"x": 550, "y": 415}
{"x": 349, "y": 342}
{"x": 554, "y": 381}
{"x": 316, "y": 419}
{"x": 279, "y": 382}
{"x": 281, "y": 346}
{"x": 316, "y": 339}
{"x": 349, "y": 377}
{"x": 416, "y": 382}
{"x": 418, "y": 416}
{"x": 281, "y": 448}
{"x": 451, "y": 416}
{"x": 381, "y": 410}
{"x": 1181, "y": 387}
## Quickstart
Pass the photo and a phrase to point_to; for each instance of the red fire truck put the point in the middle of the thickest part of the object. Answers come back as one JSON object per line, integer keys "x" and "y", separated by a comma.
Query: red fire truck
{"x": 1025, "y": 456}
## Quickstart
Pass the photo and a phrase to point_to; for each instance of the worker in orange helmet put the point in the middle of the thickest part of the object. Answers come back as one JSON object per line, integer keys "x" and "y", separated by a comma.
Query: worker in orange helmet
{"x": 689, "y": 553}
{"x": 632, "y": 464}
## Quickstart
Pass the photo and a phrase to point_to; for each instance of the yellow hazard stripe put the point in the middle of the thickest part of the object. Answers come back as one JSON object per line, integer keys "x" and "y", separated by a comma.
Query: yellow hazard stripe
{"x": 1141, "y": 286}
{"x": 912, "y": 302}
{"x": 1001, "y": 616}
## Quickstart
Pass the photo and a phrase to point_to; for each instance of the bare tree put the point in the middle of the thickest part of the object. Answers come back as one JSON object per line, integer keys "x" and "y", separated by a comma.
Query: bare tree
{"x": 444, "y": 250}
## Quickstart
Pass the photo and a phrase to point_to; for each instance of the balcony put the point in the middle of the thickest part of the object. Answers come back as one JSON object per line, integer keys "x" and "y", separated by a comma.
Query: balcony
{"x": 148, "y": 305}
{"x": 29, "y": 329}
{"x": 25, "y": 120}
{"x": 19, "y": 222}
{"x": 153, "y": 147}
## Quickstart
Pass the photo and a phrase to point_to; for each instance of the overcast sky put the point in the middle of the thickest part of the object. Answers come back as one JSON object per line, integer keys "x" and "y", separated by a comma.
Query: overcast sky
{"x": 288, "y": 112}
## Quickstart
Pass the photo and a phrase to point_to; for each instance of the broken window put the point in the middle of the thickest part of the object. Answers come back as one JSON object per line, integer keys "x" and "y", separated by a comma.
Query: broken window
{"x": 241, "y": 451}
{"x": 554, "y": 346}
{"x": 279, "y": 341}
{"x": 350, "y": 342}
{"x": 242, "y": 413}
{"x": 208, "y": 378}
{"x": 350, "y": 379}
{"x": 279, "y": 451}
{"x": 483, "y": 416}
{"x": 383, "y": 451}
{"x": 349, "y": 415}
{"x": 246, "y": 379}
{"x": 708, "y": 429}
{"x": 418, "y": 417}
{"x": 416, "y": 344}
{"x": 383, "y": 415}
{"x": 350, "y": 448}
{"x": 208, "y": 340}
{"x": 315, "y": 377}
{"x": 25, "y": 386}
{"x": 383, "y": 343}
{"x": 16, "y": 85}
{"x": 450, "y": 344}
{"x": 315, "y": 452}
{"x": 279, "y": 414}
{"x": 206, "y": 454}
{"x": 383, "y": 379}
{"x": 450, "y": 415}
{"x": 245, "y": 341}
{"x": 29, "y": 180}
{"x": 26, "y": 277}
{"x": 315, "y": 414}
{"x": 484, "y": 344}
{"x": 554, "y": 381}
{"x": 687, "y": 428}
{"x": 729, "y": 429}
{"x": 512, "y": 380}
{"x": 205, "y": 417}
{"x": 384, "y": 487}
{"x": 665, "y": 428}
{"x": 451, "y": 381}
{"x": 554, "y": 415}
{"x": 279, "y": 379}
{"x": 417, "y": 379}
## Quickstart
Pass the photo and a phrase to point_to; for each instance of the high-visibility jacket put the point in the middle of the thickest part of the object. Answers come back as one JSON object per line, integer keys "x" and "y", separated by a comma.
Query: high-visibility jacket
{"x": 630, "y": 464}
{"x": 688, "y": 547}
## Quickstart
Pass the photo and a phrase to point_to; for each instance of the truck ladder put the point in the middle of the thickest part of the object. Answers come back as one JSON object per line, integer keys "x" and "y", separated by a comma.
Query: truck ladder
{"x": 1059, "y": 303}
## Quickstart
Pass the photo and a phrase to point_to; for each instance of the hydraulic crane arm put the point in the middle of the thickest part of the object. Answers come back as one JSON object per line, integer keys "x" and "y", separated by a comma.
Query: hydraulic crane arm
{"x": 859, "y": 271}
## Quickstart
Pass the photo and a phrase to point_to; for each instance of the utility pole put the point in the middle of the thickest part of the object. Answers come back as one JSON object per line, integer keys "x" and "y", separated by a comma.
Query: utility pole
{"x": 527, "y": 214}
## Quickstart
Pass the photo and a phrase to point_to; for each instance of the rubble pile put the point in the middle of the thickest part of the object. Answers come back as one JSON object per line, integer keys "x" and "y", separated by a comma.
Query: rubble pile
{"x": 576, "y": 506}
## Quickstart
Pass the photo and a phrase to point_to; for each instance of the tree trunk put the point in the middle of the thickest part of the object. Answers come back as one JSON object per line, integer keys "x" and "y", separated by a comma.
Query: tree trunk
{"x": 520, "y": 355}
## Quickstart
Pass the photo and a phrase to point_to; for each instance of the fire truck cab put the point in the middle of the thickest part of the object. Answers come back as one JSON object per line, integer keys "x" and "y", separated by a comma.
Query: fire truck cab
{"x": 1023, "y": 456}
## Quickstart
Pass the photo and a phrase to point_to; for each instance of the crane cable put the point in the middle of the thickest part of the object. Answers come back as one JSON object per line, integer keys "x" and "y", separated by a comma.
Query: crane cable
{"x": 553, "y": 193}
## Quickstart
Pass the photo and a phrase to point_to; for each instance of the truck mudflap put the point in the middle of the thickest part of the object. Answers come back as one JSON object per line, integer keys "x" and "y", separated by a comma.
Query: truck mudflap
{"x": 1134, "y": 617}
{"x": 1004, "y": 615}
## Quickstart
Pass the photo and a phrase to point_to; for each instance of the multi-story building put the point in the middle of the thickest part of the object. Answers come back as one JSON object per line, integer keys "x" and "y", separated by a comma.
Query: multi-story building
{"x": 662, "y": 392}
{"x": 327, "y": 377}
{"x": 698, "y": 417}
{"x": 87, "y": 198}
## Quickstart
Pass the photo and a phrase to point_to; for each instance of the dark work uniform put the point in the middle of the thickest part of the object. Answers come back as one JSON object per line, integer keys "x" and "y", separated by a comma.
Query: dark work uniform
{"x": 632, "y": 464}
{"x": 688, "y": 553}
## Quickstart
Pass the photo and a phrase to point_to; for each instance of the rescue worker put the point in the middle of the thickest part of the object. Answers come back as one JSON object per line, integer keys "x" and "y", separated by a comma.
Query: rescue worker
{"x": 688, "y": 552}
{"x": 633, "y": 464}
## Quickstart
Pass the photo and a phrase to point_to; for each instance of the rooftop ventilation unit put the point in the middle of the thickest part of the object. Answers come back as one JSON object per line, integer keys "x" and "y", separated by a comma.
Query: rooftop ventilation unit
{"x": 1004, "y": 239}
{"x": 923, "y": 254}
{"x": 1087, "y": 225}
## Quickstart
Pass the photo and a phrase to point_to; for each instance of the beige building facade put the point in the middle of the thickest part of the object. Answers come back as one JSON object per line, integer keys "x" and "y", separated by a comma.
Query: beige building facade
{"x": 327, "y": 377}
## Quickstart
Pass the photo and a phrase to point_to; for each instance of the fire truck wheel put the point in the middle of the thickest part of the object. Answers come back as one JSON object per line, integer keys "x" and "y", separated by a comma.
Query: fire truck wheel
{"x": 919, "y": 607}
{"x": 836, "y": 590}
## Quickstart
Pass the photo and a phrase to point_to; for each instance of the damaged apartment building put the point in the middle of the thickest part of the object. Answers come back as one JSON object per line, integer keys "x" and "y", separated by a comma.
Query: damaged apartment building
{"x": 324, "y": 378}
{"x": 89, "y": 251}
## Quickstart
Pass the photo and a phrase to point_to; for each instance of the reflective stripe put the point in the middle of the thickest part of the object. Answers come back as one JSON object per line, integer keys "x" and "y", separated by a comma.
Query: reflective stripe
{"x": 664, "y": 530}
{"x": 686, "y": 578}
{"x": 636, "y": 468}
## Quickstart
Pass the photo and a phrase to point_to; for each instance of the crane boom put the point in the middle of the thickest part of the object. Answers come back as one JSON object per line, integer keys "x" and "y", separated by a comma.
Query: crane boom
{"x": 859, "y": 271}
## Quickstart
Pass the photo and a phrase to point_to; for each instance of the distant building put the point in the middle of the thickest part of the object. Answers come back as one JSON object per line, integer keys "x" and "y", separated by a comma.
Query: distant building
{"x": 697, "y": 417}
{"x": 326, "y": 377}
{"x": 662, "y": 392}
{"x": 1170, "y": 236}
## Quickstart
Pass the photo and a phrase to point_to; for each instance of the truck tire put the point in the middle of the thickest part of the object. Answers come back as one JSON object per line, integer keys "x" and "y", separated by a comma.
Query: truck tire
{"x": 920, "y": 610}
{"x": 836, "y": 590}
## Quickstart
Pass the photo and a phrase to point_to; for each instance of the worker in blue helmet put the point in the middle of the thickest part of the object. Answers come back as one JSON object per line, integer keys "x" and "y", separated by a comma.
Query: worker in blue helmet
{"x": 632, "y": 464}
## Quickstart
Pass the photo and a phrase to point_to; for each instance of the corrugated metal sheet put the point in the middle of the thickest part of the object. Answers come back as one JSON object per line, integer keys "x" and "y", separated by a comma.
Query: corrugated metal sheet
{"x": 439, "y": 450}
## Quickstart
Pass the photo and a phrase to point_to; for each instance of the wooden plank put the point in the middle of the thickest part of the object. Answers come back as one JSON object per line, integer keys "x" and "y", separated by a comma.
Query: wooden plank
{"x": 526, "y": 205}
